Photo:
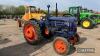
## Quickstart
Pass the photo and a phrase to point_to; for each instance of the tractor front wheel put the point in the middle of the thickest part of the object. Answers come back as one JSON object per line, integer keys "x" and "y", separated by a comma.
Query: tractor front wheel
{"x": 61, "y": 46}
{"x": 75, "y": 39}
{"x": 32, "y": 32}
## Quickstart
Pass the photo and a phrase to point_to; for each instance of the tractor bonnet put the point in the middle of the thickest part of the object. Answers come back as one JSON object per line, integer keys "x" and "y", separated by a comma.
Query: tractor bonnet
{"x": 68, "y": 19}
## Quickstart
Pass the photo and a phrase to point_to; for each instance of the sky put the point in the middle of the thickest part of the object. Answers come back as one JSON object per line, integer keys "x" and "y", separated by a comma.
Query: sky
{"x": 62, "y": 4}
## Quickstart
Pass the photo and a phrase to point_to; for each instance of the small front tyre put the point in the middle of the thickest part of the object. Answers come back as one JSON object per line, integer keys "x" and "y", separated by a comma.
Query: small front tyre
{"x": 75, "y": 39}
{"x": 61, "y": 45}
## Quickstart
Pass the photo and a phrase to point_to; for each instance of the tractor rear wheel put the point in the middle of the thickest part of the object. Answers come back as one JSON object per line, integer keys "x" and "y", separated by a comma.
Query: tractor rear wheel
{"x": 61, "y": 46}
{"x": 32, "y": 32}
{"x": 87, "y": 24}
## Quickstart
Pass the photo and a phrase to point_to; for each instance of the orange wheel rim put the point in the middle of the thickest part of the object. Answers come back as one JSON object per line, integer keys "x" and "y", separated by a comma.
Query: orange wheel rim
{"x": 29, "y": 32}
{"x": 46, "y": 31}
{"x": 60, "y": 46}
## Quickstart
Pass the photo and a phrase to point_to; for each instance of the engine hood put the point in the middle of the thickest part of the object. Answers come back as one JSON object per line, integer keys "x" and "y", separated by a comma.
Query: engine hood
{"x": 68, "y": 19}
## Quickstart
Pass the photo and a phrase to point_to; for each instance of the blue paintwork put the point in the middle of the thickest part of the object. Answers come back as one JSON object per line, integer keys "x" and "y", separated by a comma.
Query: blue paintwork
{"x": 60, "y": 26}
{"x": 69, "y": 19}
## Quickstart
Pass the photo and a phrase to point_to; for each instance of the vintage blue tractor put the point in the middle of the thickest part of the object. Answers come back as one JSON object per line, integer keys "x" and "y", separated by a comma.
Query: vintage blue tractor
{"x": 62, "y": 29}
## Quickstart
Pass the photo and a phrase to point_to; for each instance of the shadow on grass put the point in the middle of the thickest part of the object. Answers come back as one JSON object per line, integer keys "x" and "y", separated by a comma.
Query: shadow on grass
{"x": 23, "y": 49}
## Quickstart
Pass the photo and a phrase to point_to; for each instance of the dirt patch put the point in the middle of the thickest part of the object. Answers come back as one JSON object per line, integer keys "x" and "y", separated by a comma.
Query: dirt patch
{"x": 0, "y": 36}
{"x": 5, "y": 40}
{"x": 2, "y": 24}
{"x": 98, "y": 38}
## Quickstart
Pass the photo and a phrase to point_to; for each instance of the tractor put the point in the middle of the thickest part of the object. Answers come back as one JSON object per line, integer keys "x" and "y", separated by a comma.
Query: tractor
{"x": 97, "y": 16}
{"x": 85, "y": 17}
{"x": 63, "y": 30}
{"x": 30, "y": 13}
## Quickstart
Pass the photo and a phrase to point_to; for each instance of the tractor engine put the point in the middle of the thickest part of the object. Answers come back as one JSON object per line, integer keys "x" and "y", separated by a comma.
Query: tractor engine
{"x": 62, "y": 26}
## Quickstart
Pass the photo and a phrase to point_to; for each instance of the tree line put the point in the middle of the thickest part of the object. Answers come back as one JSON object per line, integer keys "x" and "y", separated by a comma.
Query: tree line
{"x": 18, "y": 11}
{"x": 11, "y": 11}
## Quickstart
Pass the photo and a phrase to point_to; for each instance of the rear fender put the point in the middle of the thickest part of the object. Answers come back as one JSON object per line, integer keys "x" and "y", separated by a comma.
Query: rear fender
{"x": 93, "y": 21}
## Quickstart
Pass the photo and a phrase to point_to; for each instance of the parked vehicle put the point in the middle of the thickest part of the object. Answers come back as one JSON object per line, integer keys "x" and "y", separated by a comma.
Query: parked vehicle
{"x": 62, "y": 29}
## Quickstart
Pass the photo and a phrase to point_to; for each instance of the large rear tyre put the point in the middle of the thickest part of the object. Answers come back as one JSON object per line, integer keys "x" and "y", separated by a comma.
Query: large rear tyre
{"x": 61, "y": 46}
{"x": 87, "y": 24}
{"x": 32, "y": 32}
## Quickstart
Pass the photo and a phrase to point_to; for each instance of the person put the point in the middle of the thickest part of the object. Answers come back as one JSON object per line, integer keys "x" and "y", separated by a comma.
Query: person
{"x": 19, "y": 21}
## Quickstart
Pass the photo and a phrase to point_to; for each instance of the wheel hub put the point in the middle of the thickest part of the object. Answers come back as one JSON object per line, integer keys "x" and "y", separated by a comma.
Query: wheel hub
{"x": 29, "y": 32}
{"x": 86, "y": 23}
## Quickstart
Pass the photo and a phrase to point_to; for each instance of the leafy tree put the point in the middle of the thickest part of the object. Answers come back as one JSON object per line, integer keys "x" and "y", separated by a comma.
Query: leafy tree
{"x": 20, "y": 10}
